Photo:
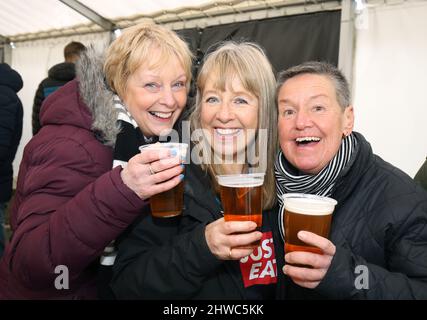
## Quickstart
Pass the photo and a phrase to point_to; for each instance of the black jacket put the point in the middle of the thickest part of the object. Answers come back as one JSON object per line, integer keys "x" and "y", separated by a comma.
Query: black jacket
{"x": 379, "y": 228}
{"x": 421, "y": 175}
{"x": 11, "y": 113}
{"x": 170, "y": 259}
{"x": 58, "y": 75}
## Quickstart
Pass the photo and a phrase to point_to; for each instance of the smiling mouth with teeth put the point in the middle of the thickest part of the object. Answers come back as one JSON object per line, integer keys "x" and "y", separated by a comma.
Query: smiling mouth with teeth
{"x": 306, "y": 140}
{"x": 226, "y": 132}
{"x": 161, "y": 115}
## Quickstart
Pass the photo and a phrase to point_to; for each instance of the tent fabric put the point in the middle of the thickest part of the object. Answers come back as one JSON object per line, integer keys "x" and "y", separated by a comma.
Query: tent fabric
{"x": 32, "y": 16}
{"x": 389, "y": 82}
{"x": 27, "y": 20}
{"x": 291, "y": 40}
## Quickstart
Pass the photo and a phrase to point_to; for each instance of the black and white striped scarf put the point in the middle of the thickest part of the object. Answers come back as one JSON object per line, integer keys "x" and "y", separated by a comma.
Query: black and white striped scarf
{"x": 128, "y": 141}
{"x": 289, "y": 180}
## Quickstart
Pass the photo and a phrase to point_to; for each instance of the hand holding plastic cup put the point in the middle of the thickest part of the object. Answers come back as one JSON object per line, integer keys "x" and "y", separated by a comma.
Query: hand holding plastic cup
{"x": 169, "y": 203}
{"x": 309, "y": 213}
{"x": 241, "y": 197}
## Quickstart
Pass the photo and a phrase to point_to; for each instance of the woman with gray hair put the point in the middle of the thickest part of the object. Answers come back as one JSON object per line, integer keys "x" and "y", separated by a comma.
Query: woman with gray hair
{"x": 377, "y": 247}
{"x": 204, "y": 256}
{"x": 70, "y": 203}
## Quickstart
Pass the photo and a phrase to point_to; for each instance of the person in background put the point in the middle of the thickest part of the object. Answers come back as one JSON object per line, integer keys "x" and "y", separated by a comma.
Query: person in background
{"x": 70, "y": 203}
{"x": 11, "y": 113}
{"x": 378, "y": 240}
{"x": 421, "y": 176}
{"x": 58, "y": 75}
{"x": 199, "y": 255}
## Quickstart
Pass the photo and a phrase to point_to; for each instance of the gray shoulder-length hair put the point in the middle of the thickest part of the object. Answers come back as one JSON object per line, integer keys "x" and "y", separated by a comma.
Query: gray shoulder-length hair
{"x": 248, "y": 62}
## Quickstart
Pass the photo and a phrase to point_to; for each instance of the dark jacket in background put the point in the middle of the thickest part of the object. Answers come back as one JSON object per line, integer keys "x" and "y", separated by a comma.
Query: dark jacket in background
{"x": 11, "y": 113}
{"x": 69, "y": 204}
{"x": 58, "y": 75}
{"x": 421, "y": 176}
{"x": 380, "y": 227}
{"x": 168, "y": 258}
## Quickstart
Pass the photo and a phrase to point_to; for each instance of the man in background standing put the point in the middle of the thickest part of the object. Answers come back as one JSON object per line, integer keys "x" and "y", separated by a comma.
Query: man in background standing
{"x": 58, "y": 75}
{"x": 11, "y": 113}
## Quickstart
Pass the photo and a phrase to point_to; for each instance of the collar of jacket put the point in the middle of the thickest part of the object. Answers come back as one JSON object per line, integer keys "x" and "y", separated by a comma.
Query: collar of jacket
{"x": 361, "y": 161}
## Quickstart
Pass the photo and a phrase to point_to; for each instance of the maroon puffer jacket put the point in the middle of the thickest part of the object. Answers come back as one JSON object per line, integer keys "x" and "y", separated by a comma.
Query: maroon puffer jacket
{"x": 69, "y": 205}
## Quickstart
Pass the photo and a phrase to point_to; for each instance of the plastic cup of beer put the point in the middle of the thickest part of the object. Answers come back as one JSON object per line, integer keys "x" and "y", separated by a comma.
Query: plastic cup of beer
{"x": 241, "y": 197}
{"x": 309, "y": 213}
{"x": 169, "y": 203}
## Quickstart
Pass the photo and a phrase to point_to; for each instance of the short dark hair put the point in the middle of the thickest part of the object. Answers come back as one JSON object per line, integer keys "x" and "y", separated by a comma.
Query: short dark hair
{"x": 320, "y": 68}
{"x": 72, "y": 49}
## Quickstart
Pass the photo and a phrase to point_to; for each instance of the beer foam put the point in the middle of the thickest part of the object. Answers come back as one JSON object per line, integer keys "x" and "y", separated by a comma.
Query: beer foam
{"x": 241, "y": 180}
{"x": 308, "y": 204}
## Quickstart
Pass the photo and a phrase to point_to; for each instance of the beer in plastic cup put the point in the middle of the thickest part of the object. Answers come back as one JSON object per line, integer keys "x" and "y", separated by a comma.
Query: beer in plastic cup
{"x": 309, "y": 213}
{"x": 241, "y": 197}
{"x": 169, "y": 203}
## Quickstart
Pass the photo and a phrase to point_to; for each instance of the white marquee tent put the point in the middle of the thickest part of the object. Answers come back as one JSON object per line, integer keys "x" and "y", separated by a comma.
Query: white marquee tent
{"x": 383, "y": 46}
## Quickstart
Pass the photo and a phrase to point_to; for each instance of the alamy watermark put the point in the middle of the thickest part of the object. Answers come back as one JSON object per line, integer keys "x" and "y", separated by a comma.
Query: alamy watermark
{"x": 362, "y": 280}
{"x": 248, "y": 146}
{"x": 62, "y": 281}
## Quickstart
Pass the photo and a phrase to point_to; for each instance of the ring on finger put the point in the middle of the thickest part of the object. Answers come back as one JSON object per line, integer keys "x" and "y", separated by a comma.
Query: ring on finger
{"x": 229, "y": 253}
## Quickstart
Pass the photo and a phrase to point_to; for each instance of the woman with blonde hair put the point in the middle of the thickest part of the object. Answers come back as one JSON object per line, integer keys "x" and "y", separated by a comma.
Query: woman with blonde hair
{"x": 203, "y": 256}
{"x": 70, "y": 203}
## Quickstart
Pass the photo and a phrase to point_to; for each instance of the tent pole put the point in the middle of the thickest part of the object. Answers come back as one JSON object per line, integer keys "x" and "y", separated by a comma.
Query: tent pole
{"x": 89, "y": 14}
{"x": 347, "y": 39}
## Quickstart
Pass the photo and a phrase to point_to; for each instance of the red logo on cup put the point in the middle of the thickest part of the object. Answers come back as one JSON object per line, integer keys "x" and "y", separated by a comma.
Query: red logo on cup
{"x": 260, "y": 266}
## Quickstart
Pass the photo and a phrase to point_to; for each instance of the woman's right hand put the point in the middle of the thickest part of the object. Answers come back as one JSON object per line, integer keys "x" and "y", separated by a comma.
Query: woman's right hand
{"x": 153, "y": 171}
{"x": 231, "y": 240}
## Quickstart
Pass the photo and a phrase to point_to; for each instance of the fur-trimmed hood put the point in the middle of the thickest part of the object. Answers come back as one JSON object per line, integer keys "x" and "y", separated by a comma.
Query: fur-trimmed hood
{"x": 96, "y": 95}
{"x": 85, "y": 102}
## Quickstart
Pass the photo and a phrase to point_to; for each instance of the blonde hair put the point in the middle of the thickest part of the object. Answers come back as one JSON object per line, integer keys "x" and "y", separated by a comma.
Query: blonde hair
{"x": 134, "y": 48}
{"x": 250, "y": 65}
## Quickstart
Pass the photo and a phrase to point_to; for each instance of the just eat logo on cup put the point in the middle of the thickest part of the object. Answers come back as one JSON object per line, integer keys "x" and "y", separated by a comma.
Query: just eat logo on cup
{"x": 260, "y": 266}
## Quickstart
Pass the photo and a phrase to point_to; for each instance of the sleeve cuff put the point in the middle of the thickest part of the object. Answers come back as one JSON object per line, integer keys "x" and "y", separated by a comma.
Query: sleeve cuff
{"x": 338, "y": 282}
{"x": 126, "y": 192}
{"x": 207, "y": 262}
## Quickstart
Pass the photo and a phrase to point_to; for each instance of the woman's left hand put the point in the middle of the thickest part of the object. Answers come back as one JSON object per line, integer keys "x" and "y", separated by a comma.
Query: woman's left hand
{"x": 306, "y": 277}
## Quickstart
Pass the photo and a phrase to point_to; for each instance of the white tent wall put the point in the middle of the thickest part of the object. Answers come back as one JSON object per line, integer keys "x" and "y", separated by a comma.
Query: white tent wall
{"x": 32, "y": 60}
{"x": 389, "y": 83}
